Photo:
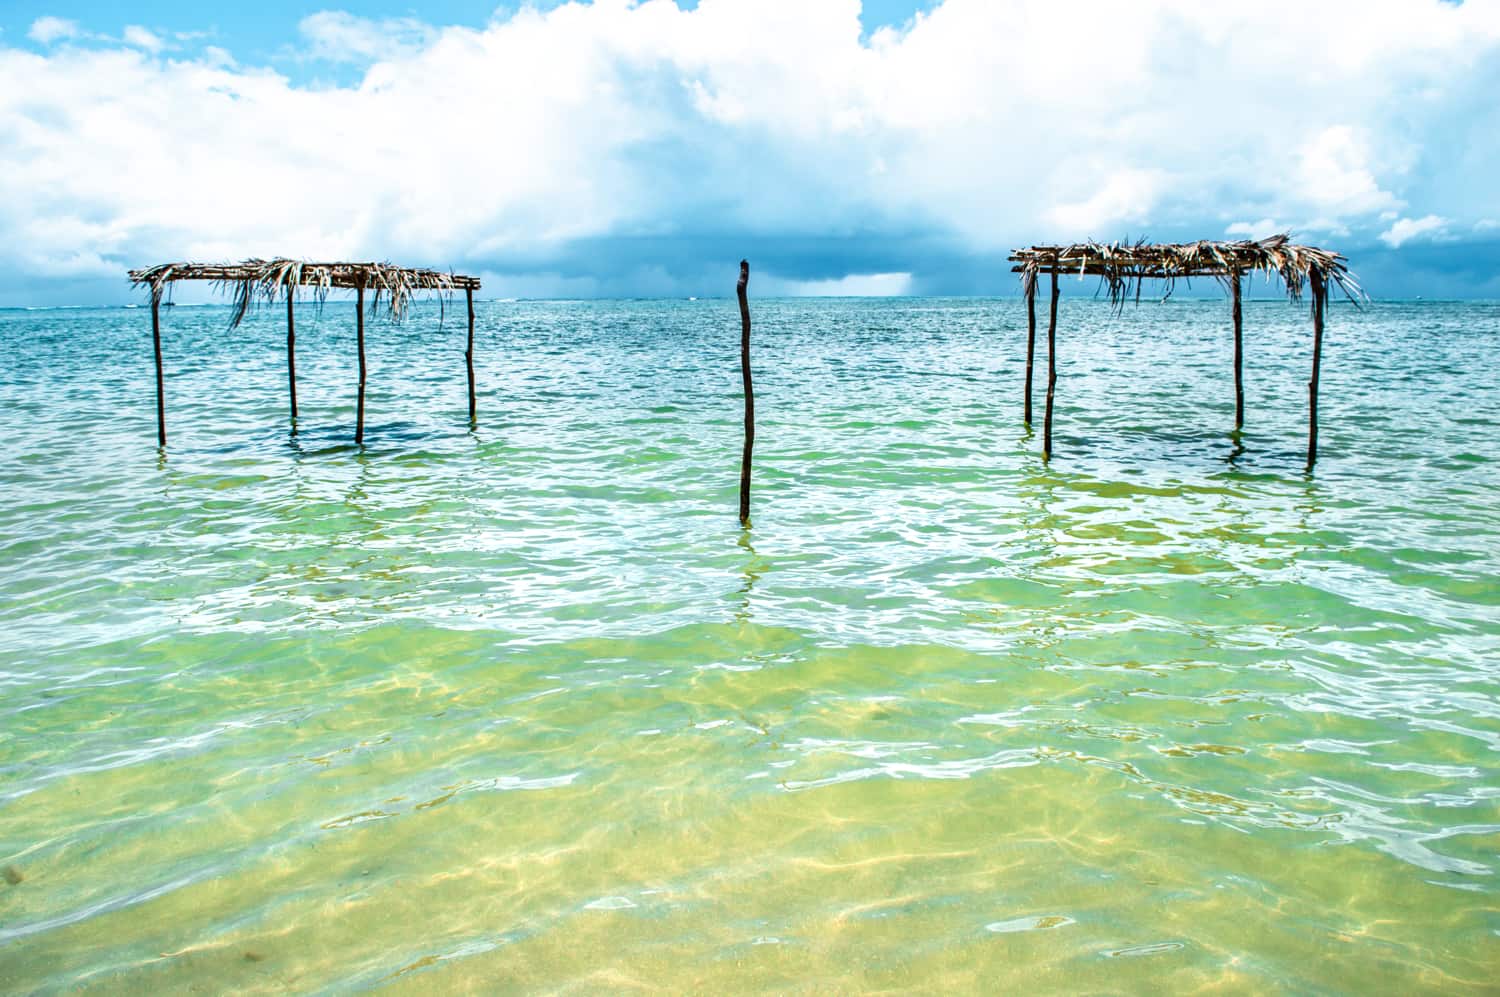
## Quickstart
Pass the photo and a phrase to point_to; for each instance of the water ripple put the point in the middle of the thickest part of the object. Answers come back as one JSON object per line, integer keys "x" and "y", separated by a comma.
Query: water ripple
{"x": 522, "y": 703}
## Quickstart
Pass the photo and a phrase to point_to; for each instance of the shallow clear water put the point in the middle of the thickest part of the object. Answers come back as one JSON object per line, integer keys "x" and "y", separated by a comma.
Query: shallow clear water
{"x": 525, "y": 708}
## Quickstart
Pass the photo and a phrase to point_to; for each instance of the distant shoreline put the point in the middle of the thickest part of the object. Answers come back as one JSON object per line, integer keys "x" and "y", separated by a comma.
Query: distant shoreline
{"x": 699, "y": 299}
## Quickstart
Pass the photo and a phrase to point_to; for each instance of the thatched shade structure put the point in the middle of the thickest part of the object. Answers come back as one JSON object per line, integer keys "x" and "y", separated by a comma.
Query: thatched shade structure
{"x": 265, "y": 280}
{"x": 1125, "y": 267}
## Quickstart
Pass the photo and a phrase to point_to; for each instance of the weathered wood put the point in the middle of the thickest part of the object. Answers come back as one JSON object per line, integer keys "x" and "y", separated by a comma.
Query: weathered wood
{"x": 749, "y": 393}
{"x": 1051, "y": 372}
{"x": 1125, "y": 265}
{"x": 291, "y": 354}
{"x": 1239, "y": 358}
{"x": 161, "y": 392}
{"x": 1124, "y": 268}
{"x": 359, "y": 412}
{"x": 1030, "y": 341}
{"x": 1320, "y": 300}
{"x": 344, "y": 275}
{"x": 263, "y": 280}
{"x": 469, "y": 358}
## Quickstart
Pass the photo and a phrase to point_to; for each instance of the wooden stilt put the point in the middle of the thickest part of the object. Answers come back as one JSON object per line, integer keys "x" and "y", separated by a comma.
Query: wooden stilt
{"x": 1239, "y": 359}
{"x": 1051, "y": 372}
{"x": 359, "y": 412}
{"x": 469, "y": 357}
{"x": 291, "y": 352}
{"x": 749, "y": 393}
{"x": 1320, "y": 300}
{"x": 1030, "y": 340}
{"x": 161, "y": 393}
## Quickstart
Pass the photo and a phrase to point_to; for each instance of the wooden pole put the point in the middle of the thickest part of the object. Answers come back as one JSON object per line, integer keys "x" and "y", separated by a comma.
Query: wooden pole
{"x": 359, "y": 412}
{"x": 1030, "y": 339}
{"x": 1051, "y": 371}
{"x": 161, "y": 394}
{"x": 1320, "y": 299}
{"x": 469, "y": 357}
{"x": 749, "y": 393}
{"x": 291, "y": 353}
{"x": 1239, "y": 359}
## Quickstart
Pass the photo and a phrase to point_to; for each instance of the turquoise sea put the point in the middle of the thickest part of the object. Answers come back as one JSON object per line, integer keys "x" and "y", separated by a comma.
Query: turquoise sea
{"x": 523, "y": 708}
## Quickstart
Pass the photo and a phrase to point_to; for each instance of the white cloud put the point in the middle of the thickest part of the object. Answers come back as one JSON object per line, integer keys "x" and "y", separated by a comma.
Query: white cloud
{"x": 340, "y": 37}
{"x": 140, "y": 37}
{"x": 558, "y": 141}
{"x": 857, "y": 285}
{"x": 1126, "y": 196}
{"x": 1407, "y": 229}
{"x": 1255, "y": 230}
{"x": 1335, "y": 169}
{"x": 48, "y": 29}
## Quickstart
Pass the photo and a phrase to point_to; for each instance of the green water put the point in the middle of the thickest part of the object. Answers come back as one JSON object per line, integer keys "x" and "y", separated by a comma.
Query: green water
{"x": 524, "y": 709}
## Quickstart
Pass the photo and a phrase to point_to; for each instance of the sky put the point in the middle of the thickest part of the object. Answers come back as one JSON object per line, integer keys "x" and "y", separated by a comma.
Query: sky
{"x": 642, "y": 147}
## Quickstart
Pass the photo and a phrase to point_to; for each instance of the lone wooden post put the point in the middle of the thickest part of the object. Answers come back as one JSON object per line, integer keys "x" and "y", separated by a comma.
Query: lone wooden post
{"x": 291, "y": 352}
{"x": 1051, "y": 371}
{"x": 161, "y": 394}
{"x": 469, "y": 357}
{"x": 359, "y": 412}
{"x": 749, "y": 393}
{"x": 1320, "y": 297}
{"x": 1030, "y": 340}
{"x": 1239, "y": 357}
